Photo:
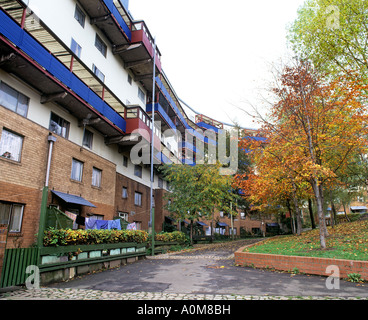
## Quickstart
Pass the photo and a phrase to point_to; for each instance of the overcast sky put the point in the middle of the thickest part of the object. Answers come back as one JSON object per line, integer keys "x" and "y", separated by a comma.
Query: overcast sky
{"x": 217, "y": 54}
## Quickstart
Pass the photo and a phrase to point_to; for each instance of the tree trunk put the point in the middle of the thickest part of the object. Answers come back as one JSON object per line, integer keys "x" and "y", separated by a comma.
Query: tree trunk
{"x": 311, "y": 213}
{"x": 291, "y": 216}
{"x": 322, "y": 223}
{"x": 297, "y": 216}
{"x": 297, "y": 212}
{"x": 346, "y": 215}
{"x": 191, "y": 232}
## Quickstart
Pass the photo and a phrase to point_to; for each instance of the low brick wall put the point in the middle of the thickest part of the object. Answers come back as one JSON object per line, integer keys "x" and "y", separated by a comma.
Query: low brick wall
{"x": 308, "y": 265}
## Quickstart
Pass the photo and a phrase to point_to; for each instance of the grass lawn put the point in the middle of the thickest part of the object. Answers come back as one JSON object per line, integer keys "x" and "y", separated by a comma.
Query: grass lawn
{"x": 345, "y": 241}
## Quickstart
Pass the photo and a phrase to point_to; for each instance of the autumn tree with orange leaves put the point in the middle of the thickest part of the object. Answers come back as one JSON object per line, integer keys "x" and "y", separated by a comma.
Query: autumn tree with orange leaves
{"x": 312, "y": 131}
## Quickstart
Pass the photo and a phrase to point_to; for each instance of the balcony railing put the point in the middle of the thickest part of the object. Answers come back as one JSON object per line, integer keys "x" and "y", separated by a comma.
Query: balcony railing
{"x": 140, "y": 33}
{"x": 51, "y": 64}
{"x": 208, "y": 123}
{"x": 162, "y": 113}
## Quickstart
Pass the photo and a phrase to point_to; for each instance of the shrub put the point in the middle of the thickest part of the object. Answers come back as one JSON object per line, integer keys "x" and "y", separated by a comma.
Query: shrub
{"x": 354, "y": 277}
{"x": 176, "y": 236}
{"x": 55, "y": 237}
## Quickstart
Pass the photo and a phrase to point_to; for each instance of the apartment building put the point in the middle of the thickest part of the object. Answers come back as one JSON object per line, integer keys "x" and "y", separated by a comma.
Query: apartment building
{"x": 76, "y": 88}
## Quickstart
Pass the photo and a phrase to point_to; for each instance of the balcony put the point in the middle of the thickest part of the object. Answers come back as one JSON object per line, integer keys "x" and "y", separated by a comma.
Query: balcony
{"x": 173, "y": 108}
{"x": 208, "y": 123}
{"x": 138, "y": 127}
{"x": 48, "y": 70}
{"x": 166, "y": 122}
{"x": 110, "y": 17}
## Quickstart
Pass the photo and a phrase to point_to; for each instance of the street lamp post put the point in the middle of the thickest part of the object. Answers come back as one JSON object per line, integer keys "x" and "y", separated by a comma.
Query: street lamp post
{"x": 152, "y": 204}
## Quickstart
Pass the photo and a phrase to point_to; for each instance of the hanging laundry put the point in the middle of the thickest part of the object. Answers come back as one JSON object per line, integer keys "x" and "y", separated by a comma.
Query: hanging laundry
{"x": 114, "y": 224}
{"x": 72, "y": 216}
{"x": 102, "y": 224}
{"x": 90, "y": 223}
{"x": 132, "y": 226}
{"x": 80, "y": 220}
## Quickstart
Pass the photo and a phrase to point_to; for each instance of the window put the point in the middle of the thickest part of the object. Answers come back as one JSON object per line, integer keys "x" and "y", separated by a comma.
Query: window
{"x": 77, "y": 170}
{"x": 138, "y": 225}
{"x": 124, "y": 193}
{"x": 96, "y": 216}
{"x": 138, "y": 199}
{"x": 141, "y": 95}
{"x": 98, "y": 73}
{"x": 11, "y": 145}
{"x": 130, "y": 79}
{"x": 138, "y": 171}
{"x": 87, "y": 139}
{"x": 79, "y": 16}
{"x": 123, "y": 215}
{"x": 13, "y": 100}
{"x": 76, "y": 48}
{"x": 160, "y": 183}
{"x": 59, "y": 126}
{"x": 96, "y": 177}
{"x": 12, "y": 215}
{"x": 125, "y": 161}
{"x": 100, "y": 45}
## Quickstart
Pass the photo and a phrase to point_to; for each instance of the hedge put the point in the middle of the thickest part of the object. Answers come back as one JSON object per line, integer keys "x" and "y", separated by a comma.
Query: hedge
{"x": 175, "y": 236}
{"x": 54, "y": 237}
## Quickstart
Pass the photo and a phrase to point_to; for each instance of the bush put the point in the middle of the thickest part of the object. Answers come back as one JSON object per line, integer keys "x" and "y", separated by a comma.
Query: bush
{"x": 176, "y": 236}
{"x": 54, "y": 237}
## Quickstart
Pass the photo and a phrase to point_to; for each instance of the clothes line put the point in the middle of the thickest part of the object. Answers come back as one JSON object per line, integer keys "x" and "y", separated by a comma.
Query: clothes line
{"x": 94, "y": 224}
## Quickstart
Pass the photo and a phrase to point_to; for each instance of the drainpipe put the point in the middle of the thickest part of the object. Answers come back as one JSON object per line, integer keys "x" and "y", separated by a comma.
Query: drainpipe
{"x": 45, "y": 192}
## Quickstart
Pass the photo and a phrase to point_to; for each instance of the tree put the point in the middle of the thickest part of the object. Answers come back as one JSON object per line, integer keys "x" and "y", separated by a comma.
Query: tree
{"x": 312, "y": 131}
{"x": 196, "y": 190}
{"x": 333, "y": 34}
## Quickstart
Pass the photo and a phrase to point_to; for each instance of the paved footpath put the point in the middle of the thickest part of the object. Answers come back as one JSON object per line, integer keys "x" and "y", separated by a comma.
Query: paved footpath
{"x": 205, "y": 273}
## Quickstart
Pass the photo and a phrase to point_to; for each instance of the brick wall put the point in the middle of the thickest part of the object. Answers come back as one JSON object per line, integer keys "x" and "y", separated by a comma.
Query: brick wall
{"x": 22, "y": 182}
{"x": 309, "y": 265}
{"x": 141, "y": 213}
{"x": 60, "y": 177}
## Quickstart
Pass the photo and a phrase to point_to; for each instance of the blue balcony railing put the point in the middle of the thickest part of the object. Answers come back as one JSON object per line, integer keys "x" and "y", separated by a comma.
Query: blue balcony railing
{"x": 24, "y": 41}
{"x": 161, "y": 111}
{"x": 115, "y": 12}
{"x": 179, "y": 114}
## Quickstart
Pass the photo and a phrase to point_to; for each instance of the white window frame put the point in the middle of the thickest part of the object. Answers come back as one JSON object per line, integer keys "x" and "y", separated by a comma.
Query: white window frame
{"x": 96, "y": 177}
{"x": 10, "y": 220}
{"x": 87, "y": 139}
{"x": 76, "y": 48}
{"x": 138, "y": 198}
{"x": 101, "y": 45}
{"x": 77, "y": 173}
{"x": 124, "y": 192}
{"x": 98, "y": 73}
{"x": 80, "y": 16}
{"x": 11, "y": 145}
{"x": 59, "y": 127}
{"x": 16, "y": 102}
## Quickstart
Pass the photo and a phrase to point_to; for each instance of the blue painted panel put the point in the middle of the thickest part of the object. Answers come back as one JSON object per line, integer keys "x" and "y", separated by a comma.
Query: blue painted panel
{"x": 79, "y": 87}
{"x": 158, "y": 108}
{"x": 60, "y": 71}
{"x": 115, "y": 12}
{"x": 95, "y": 101}
{"x": 9, "y": 29}
{"x": 41, "y": 55}
{"x": 36, "y": 51}
{"x": 208, "y": 126}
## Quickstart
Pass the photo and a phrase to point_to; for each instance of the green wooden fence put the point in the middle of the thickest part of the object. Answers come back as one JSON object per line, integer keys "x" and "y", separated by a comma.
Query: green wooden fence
{"x": 15, "y": 264}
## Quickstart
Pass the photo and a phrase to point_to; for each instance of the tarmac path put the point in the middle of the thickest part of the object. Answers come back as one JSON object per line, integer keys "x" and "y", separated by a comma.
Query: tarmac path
{"x": 205, "y": 273}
